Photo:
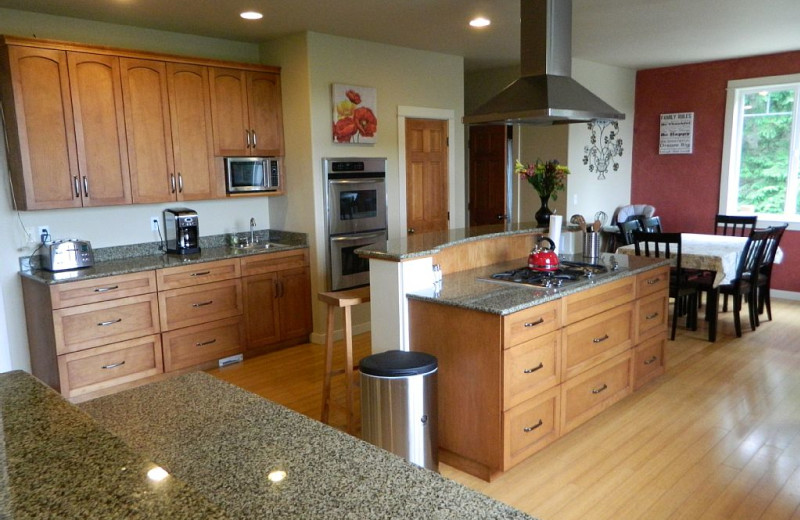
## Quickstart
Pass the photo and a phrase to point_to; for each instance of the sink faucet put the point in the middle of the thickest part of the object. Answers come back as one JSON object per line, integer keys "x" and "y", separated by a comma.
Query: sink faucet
{"x": 252, "y": 229}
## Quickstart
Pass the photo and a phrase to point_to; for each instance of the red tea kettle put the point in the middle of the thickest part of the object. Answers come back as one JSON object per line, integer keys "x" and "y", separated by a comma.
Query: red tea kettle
{"x": 543, "y": 259}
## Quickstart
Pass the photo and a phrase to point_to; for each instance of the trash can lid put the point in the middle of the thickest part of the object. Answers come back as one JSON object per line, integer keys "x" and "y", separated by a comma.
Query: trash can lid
{"x": 398, "y": 363}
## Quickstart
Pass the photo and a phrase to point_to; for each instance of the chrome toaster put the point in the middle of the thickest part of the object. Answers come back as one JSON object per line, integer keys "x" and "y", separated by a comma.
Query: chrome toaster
{"x": 66, "y": 254}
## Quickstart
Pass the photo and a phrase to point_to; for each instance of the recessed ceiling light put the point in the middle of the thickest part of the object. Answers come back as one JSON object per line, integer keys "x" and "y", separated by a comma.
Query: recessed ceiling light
{"x": 479, "y": 22}
{"x": 251, "y": 15}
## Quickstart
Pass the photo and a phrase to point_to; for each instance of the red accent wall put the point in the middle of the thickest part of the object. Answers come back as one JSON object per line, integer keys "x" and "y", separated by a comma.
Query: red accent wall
{"x": 685, "y": 188}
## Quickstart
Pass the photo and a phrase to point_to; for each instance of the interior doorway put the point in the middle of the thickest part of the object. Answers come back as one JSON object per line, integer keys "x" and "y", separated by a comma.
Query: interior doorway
{"x": 488, "y": 179}
{"x": 427, "y": 171}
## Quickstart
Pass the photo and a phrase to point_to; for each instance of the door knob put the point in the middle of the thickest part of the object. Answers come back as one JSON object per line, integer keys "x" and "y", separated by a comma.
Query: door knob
{"x": 410, "y": 230}
{"x": 501, "y": 217}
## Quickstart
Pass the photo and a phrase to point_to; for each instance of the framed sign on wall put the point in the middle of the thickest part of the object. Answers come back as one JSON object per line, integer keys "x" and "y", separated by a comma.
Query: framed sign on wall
{"x": 677, "y": 133}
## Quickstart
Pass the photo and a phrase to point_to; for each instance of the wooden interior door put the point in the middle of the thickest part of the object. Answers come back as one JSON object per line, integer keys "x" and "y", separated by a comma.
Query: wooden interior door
{"x": 426, "y": 175}
{"x": 487, "y": 174}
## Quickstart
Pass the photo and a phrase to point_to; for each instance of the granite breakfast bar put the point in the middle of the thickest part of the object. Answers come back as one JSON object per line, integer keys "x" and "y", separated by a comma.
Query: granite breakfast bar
{"x": 219, "y": 443}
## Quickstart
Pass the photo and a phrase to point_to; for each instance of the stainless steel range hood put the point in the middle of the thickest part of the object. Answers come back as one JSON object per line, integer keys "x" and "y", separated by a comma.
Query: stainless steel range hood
{"x": 546, "y": 94}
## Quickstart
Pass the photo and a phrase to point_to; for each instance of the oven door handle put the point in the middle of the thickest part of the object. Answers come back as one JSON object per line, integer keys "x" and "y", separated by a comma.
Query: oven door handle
{"x": 360, "y": 236}
{"x": 365, "y": 180}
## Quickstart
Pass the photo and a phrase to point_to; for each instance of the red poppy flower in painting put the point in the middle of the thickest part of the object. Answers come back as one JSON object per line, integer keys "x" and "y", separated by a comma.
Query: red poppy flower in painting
{"x": 365, "y": 121}
{"x": 353, "y": 96}
{"x": 344, "y": 129}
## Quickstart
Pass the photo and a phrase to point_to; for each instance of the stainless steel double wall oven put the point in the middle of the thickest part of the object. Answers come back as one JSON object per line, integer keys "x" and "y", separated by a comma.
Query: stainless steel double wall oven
{"x": 355, "y": 205}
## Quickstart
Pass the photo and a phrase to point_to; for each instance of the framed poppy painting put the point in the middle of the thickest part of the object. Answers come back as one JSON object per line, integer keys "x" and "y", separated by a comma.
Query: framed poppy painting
{"x": 354, "y": 114}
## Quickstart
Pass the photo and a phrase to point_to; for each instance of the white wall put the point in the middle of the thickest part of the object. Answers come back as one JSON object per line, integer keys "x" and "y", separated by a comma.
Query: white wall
{"x": 102, "y": 226}
{"x": 310, "y": 63}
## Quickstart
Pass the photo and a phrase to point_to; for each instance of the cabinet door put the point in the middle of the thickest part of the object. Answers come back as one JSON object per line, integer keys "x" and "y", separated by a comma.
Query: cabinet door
{"x": 265, "y": 113}
{"x": 40, "y": 129}
{"x": 192, "y": 136}
{"x": 261, "y": 312}
{"x": 144, "y": 91}
{"x": 99, "y": 129}
{"x": 295, "y": 303}
{"x": 229, "y": 112}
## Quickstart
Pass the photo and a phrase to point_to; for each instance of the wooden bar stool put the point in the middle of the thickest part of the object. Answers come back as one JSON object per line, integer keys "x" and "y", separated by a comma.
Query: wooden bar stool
{"x": 342, "y": 299}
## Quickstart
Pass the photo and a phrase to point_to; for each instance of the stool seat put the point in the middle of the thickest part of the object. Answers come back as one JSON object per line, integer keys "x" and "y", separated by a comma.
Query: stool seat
{"x": 345, "y": 300}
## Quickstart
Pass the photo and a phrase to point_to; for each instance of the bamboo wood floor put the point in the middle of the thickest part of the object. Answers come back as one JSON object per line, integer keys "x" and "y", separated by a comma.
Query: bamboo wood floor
{"x": 715, "y": 438}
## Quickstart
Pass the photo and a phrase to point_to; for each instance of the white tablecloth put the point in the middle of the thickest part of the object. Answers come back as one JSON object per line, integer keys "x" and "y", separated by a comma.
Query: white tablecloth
{"x": 717, "y": 253}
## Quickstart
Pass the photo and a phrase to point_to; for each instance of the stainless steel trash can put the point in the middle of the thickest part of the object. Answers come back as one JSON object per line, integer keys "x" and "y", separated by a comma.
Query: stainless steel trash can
{"x": 398, "y": 405}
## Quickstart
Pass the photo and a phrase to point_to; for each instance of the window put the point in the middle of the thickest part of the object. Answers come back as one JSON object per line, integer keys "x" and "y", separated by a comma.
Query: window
{"x": 761, "y": 157}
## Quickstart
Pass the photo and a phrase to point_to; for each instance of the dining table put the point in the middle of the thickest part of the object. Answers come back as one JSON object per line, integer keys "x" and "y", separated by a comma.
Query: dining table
{"x": 714, "y": 253}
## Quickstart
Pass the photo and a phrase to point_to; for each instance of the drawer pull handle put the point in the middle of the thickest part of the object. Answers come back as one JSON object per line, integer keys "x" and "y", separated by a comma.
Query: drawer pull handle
{"x": 106, "y": 289}
{"x": 201, "y": 273}
{"x": 113, "y": 365}
{"x": 534, "y": 369}
{"x": 598, "y": 390}
{"x": 534, "y": 323}
{"x": 203, "y": 304}
{"x": 531, "y": 428}
{"x": 107, "y": 323}
{"x": 600, "y": 340}
{"x": 204, "y": 343}
{"x": 651, "y": 360}
{"x": 653, "y": 281}
{"x": 651, "y": 316}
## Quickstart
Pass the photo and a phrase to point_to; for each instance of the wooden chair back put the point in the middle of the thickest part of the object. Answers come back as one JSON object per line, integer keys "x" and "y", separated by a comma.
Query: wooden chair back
{"x": 734, "y": 225}
{"x": 752, "y": 256}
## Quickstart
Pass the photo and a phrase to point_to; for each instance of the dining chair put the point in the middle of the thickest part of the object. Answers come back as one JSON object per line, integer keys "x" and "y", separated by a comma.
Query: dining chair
{"x": 652, "y": 225}
{"x": 626, "y": 230}
{"x": 734, "y": 225}
{"x": 668, "y": 245}
{"x": 745, "y": 282}
{"x": 764, "y": 280}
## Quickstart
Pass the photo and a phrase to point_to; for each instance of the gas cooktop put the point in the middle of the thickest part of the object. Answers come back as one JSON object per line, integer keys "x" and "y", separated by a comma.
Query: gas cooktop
{"x": 567, "y": 273}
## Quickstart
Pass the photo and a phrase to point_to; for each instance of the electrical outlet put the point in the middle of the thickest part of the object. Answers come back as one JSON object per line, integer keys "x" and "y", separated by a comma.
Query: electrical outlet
{"x": 43, "y": 234}
{"x": 153, "y": 223}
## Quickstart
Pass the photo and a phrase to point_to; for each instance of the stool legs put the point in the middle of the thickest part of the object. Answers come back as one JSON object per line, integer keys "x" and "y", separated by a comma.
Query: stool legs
{"x": 348, "y": 367}
{"x": 326, "y": 384}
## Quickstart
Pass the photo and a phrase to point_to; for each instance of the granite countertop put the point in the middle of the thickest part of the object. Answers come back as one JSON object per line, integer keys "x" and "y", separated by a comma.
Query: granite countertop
{"x": 471, "y": 290}
{"x": 144, "y": 257}
{"x": 427, "y": 244}
{"x": 58, "y": 463}
{"x": 224, "y": 441}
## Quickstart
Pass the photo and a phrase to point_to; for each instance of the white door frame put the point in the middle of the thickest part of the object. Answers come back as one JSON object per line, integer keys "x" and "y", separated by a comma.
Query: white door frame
{"x": 404, "y": 113}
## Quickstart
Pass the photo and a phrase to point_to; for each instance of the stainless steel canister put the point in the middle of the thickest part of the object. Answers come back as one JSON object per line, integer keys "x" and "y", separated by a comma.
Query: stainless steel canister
{"x": 591, "y": 244}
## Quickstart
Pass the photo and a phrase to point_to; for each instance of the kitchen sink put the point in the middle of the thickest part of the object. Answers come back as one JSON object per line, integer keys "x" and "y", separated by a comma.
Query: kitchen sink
{"x": 255, "y": 247}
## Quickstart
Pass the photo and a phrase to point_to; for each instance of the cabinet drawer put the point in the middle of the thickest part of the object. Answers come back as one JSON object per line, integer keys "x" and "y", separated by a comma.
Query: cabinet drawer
{"x": 202, "y": 343}
{"x": 652, "y": 313}
{"x": 653, "y": 281}
{"x": 271, "y": 262}
{"x": 530, "y": 323}
{"x": 648, "y": 360}
{"x": 531, "y": 368}
{"x": 195, "y": 305}
{"x": 194, "y": 274}
{"x": 530, "y": 426}
{"x": 102, "y": 289}
{"x": 581, "y": 305}
{"x": 596, "y": 339}
{"x": 92, "y": 325}
{"x": 590, "y": 393}
{"x": 102, "y": 367}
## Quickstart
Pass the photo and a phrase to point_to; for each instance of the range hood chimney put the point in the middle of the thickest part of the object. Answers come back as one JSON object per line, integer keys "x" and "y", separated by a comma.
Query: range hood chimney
{"x": 546, "y": 94}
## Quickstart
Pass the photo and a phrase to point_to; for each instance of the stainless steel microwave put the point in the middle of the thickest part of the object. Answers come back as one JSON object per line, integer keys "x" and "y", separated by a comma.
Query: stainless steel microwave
{"x": 252, "y": 174}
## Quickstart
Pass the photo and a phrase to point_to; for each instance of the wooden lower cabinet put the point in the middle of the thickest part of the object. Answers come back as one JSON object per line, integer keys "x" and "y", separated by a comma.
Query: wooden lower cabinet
{"x": 510, "y": 385}
{"x": 192, "y": 346}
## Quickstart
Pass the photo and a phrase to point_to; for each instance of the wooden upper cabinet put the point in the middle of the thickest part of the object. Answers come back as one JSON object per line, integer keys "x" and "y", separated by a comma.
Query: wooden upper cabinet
{"x": 96, "y": 94}
{"x": 39, "y": 127}
{"x": 147, "y": 122}
{"x": 247, "y": 113}
{"x": 192, "y": 133}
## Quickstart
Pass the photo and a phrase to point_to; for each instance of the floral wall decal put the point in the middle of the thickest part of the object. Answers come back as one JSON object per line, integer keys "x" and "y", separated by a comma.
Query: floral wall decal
{"x": 354, "y": 109}
{"x": 604, "y": 145}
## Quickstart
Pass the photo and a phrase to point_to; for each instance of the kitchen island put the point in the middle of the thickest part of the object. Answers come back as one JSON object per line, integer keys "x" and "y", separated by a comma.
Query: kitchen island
{"x": 219, "y": 443}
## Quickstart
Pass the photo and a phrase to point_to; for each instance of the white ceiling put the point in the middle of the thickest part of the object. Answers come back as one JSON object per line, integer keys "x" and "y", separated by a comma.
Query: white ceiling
{"x": 628, "y": 33}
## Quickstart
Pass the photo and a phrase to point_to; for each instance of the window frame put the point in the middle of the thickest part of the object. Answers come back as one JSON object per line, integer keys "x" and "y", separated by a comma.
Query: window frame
{"x": 729, "y": 180}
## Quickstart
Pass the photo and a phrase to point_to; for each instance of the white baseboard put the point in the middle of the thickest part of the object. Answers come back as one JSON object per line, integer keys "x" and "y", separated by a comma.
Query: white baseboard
{"x": 786, "y": 295}
{"x": 317, "y": 337}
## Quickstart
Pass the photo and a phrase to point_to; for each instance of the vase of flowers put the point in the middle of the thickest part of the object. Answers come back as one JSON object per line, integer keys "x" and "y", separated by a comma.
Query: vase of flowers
{"x": 547, "y": 178}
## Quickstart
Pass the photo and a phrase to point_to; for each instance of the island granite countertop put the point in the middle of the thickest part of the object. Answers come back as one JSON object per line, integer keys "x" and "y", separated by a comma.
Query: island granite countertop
{"x": 473, "y": 289}
{"x": 135, "y": 258}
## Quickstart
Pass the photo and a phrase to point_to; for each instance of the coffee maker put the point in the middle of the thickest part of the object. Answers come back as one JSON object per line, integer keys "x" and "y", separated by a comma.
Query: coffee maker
{"x": 182, "y": 229}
